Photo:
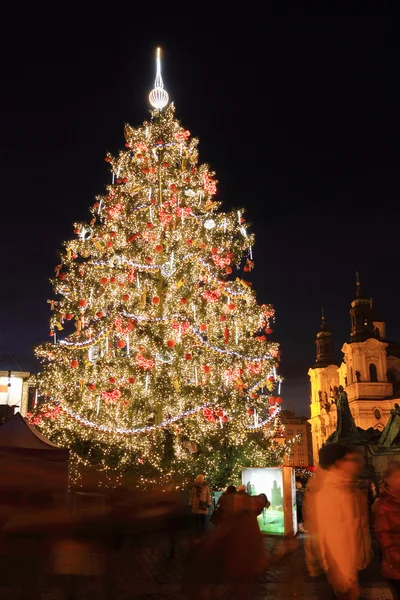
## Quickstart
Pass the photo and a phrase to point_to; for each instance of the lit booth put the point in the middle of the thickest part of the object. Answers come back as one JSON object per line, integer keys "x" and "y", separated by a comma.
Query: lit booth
{"x": 279, "y": 485}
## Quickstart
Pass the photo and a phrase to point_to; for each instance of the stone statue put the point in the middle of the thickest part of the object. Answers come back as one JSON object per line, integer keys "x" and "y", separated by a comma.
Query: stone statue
{"x": 392, "y": 428}
{"x": 346, "y": 428}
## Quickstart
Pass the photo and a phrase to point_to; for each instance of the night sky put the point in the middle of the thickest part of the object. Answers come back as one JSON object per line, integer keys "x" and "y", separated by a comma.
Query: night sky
{"x": 298, "y": 117}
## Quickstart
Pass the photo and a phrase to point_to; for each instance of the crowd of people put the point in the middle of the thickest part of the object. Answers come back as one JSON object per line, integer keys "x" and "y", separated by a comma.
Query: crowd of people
{"x": 339, "y": 516}
{"x": 340, "y": 521}
{"x": 232, "y": 554}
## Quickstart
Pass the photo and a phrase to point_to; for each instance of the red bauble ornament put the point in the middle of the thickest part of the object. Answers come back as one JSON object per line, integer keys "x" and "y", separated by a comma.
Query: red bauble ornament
{"x": 222, "y": 318}
{"x": 149, "y": 260}
{"x": 170, "y": 343}
{"x": 165, "y": 165}
{"x": 150, "y": 225}
{"x": 231, "y": 306}
{"x": 112, "y": 380}
{"x": 214, "y": 250}
{"x": 82, "y": 302}
{"x": 272, "y": 400}
{"x": 203, "y": 327}
{"x": 279, "y": 400}
{"x": 172, "y": 187}
{"x": 107, "y": 159}
{"x": 189, "y": 242}
{"x": 104, "y": 281}
{"x": 99, "y": 314}
{"x": 139, "y": 156}
{"x": 119, "y": 180}
{"x": 250, "y": 411}
{"x": 155, "y": 300}
{"x": 153, "y": 201}
{"x": 125, "y": 297}
{"x": 242, "y": 220}
{"x": 127, "y": 145}
{"x": 271, "y": 410}
{"x": 91, "y": 386}
{"x": 246, "y": 268}
{"x": 271, "y": 378}
{"x": 125, "y": 180}
{"x": 113, "y": 279}
{"x": 131, "y": 380}
{"x": 51, "y": 333}
{"x": 183, "y": 301}
{"x": 74, "y": 363}
{"x": 159, "y": 248}
{"x": 69, "y": 317}
{"x": 269, "y": 331}
{"x": 112, "y": 234}
{"x": 109, "y": 244}
{"x": 188, "y": 356}
{"x": 76, "y": 231}
{"x": 206, "y": 368}
{"x": 121, "y": 344}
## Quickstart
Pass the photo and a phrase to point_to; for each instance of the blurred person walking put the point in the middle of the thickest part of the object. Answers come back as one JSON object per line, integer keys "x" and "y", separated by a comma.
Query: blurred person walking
{"x": 230, "y": 558}
{"x": 200, "y": 501}
{"x": 299, "y": 506}
{"x": 224, "y": 506}
{"x": 386, "y": 524}
{"x": 336, "y": 517}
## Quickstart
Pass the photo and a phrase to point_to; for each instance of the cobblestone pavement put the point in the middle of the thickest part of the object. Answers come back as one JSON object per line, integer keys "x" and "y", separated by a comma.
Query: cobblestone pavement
{"x": 144, "y": 571}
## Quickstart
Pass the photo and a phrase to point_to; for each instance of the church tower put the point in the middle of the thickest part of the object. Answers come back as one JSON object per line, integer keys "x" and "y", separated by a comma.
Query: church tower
{"x": 324, "y": 380}
{"x": 365, "y": 365}
{"x": 369, "y": 373}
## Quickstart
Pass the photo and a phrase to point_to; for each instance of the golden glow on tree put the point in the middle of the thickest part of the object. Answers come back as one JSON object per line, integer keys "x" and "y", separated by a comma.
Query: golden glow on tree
{"x": 160, "y": 361}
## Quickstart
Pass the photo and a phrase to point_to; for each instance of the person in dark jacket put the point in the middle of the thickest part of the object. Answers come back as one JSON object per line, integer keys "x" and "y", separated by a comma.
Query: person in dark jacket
{"x": 386, "y": 523}
{"x": 224, "y": 506}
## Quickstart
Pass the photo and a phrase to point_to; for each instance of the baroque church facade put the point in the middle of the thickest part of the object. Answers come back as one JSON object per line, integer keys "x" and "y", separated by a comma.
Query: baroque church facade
{"x": 369, "y": 373}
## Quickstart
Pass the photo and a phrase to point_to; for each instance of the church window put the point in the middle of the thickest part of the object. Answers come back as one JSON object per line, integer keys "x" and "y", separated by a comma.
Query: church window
{"x": 373, "y": 374}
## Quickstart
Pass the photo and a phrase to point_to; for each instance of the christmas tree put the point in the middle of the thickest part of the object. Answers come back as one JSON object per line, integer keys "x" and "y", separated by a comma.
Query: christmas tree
{"x": 160, "y": 361}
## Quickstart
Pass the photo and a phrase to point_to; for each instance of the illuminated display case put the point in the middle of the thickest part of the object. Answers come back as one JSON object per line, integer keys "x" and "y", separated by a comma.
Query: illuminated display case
{"x": 279, "y": 484}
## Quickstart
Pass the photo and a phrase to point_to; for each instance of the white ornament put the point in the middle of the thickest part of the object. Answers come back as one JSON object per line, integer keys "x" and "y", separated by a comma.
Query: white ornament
{"x": 167, "y": 269}
{"x": 165, "y": 358}
{"x": 190, "y": 193}
{"x": 209, "y": 224}
{"x": 93, "y": 353}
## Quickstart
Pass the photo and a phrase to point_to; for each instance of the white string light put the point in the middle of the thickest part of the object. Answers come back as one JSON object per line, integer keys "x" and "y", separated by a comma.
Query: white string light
{"x": 125, "y": 431}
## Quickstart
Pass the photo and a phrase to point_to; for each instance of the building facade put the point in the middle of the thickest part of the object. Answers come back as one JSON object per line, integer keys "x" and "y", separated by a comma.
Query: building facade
{"x": 369, "y": 373}
{"x": 301, "y": 455}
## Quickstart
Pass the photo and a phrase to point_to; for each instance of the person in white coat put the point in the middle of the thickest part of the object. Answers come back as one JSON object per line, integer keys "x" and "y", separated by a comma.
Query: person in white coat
{"x": 336, "y": 517}
{"x": 200, "y": 501}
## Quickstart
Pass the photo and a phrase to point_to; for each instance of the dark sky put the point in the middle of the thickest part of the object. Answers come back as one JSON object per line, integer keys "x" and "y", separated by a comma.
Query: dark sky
{"x": 298, "y": 116}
